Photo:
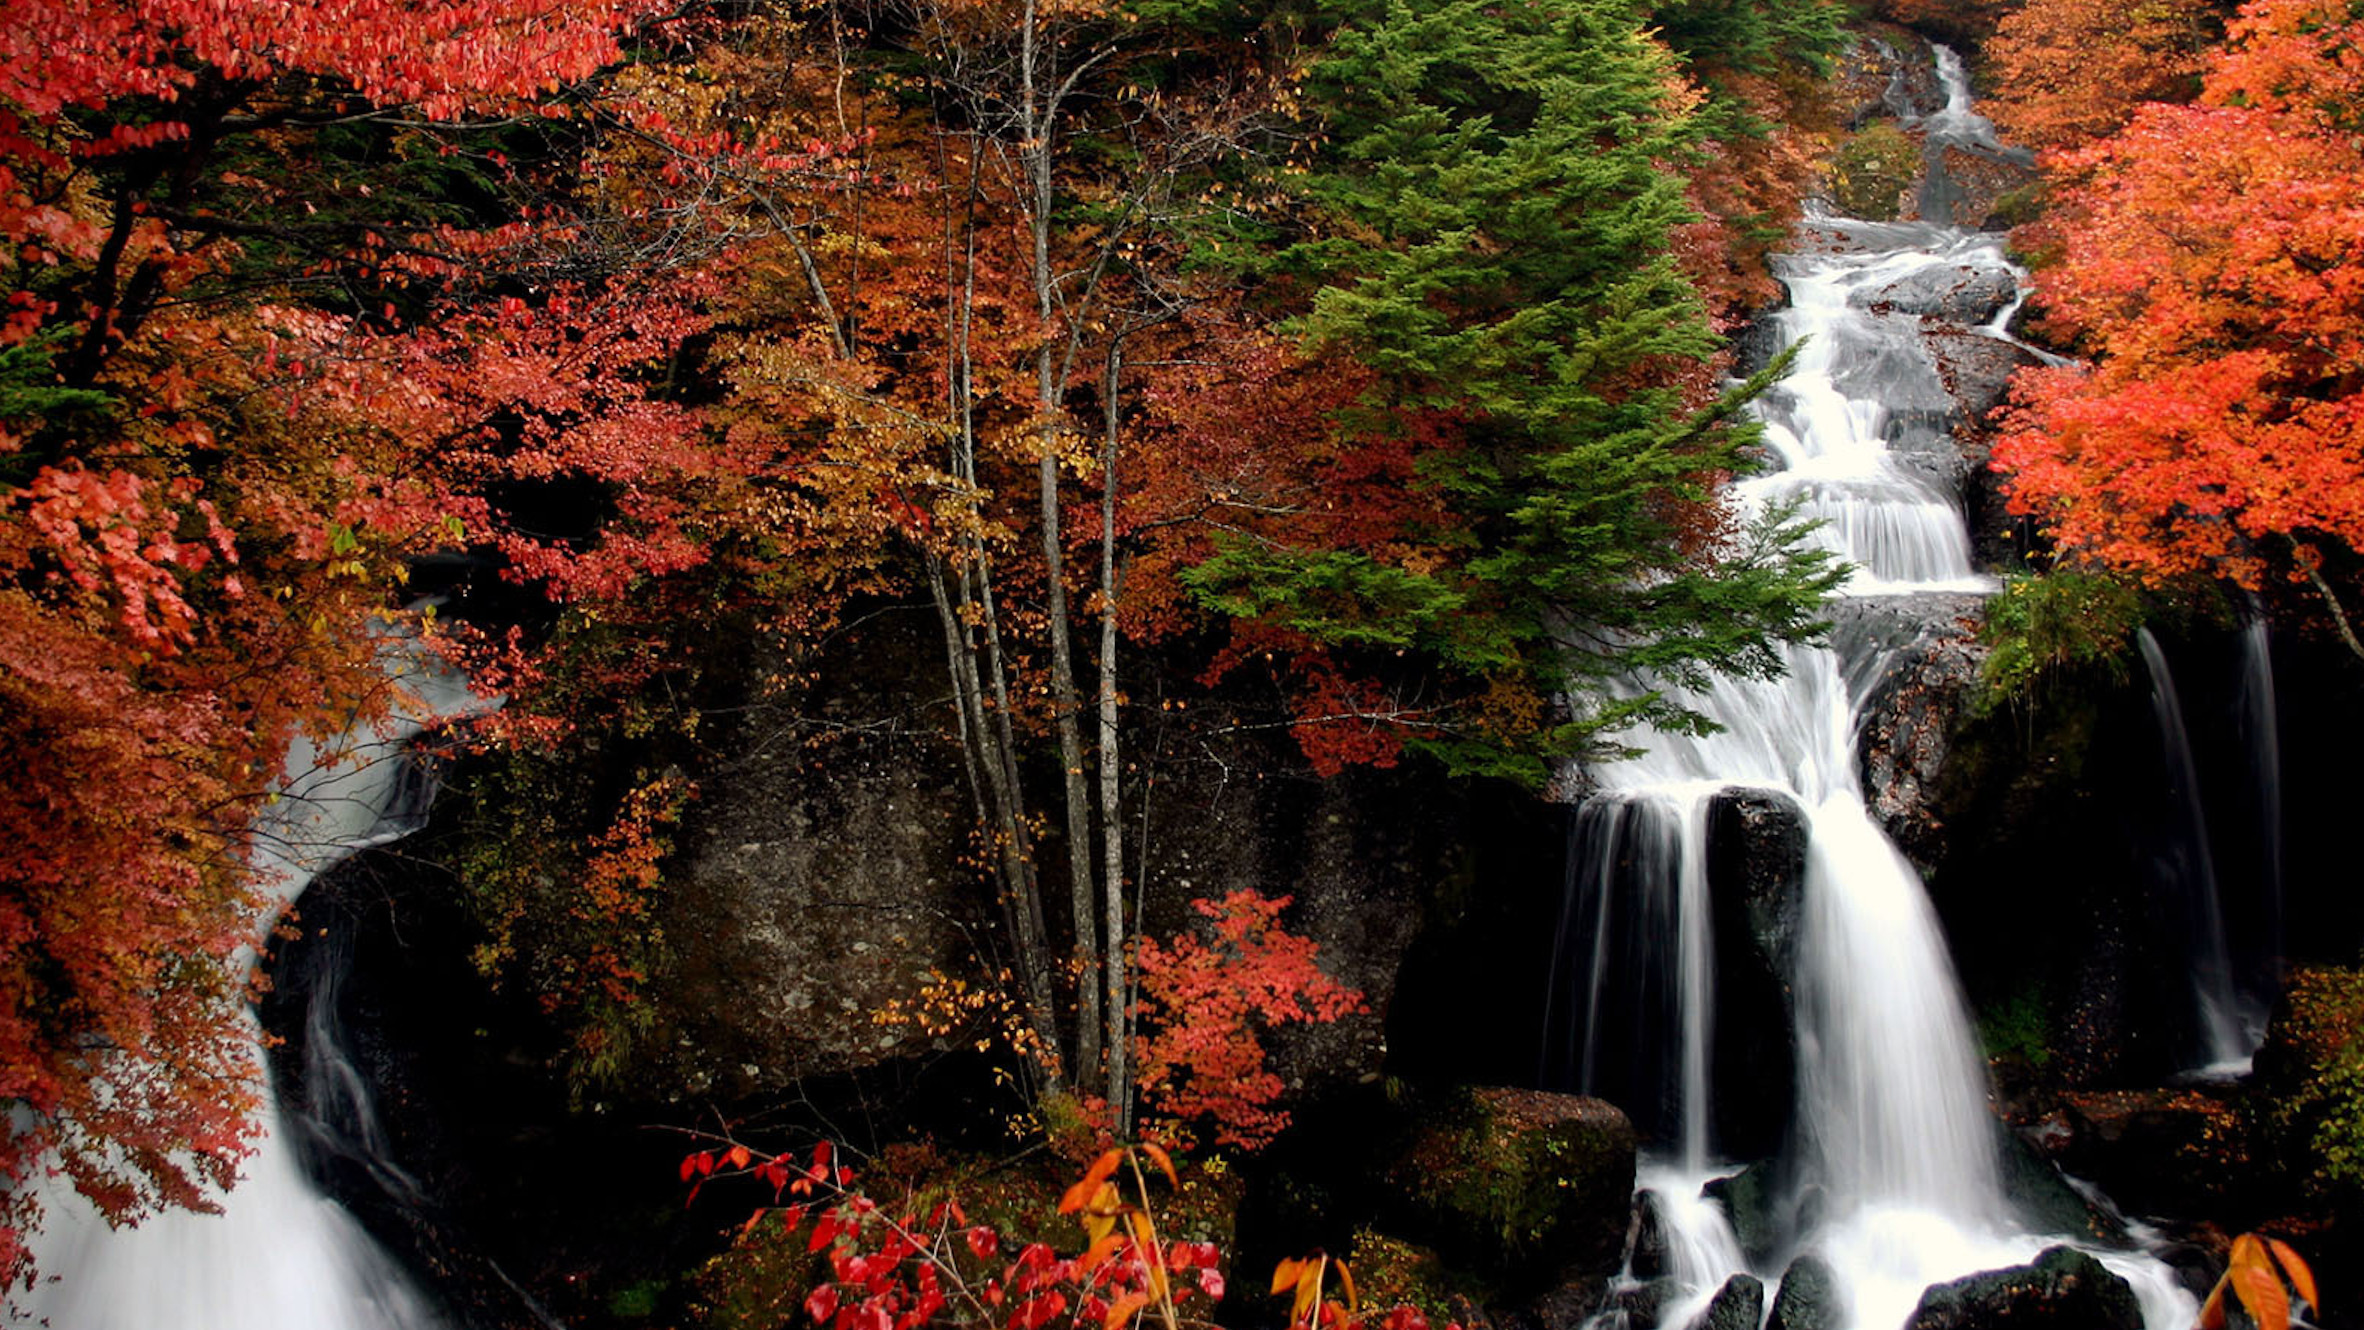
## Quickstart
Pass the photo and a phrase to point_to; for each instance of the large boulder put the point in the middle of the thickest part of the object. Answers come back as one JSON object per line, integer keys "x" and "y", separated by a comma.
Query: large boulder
{"x": 1521, "y": 1181}
{"x": 2064, "y": 1289}
{"x": 2178, "y": 1151}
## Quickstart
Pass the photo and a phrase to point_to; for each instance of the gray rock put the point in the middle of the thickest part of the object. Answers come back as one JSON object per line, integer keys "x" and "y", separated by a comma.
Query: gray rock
{"x": 1738, "y": 1305}
{"x": 1809, "y": 1297}
{"x": 2064, "y": 1289}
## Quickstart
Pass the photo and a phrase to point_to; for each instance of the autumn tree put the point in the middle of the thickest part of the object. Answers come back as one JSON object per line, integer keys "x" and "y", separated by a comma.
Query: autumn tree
{"x": 255, "y": 362}
{"x": 2210, "y": 269}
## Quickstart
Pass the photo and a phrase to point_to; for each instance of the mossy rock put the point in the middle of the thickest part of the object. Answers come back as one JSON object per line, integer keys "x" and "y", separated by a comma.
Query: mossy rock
{"x": 1874, "y": 172}
{"x": 1524, "y": 1183}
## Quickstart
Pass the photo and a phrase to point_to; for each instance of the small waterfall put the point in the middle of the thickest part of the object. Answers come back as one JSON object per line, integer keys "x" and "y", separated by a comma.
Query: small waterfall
{"x": 1895, "y": 1178}
{"x": 280, "y": 1255}
{"x": 2262, "y": 730}
{"x": 2186, "y": 865}
{"x": 1637, "y": 887}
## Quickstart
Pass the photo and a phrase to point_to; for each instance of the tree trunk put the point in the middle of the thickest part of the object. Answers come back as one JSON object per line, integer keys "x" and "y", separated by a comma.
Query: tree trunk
{"x": 1112, "y": 843}
{"x": 1039, "y": 112}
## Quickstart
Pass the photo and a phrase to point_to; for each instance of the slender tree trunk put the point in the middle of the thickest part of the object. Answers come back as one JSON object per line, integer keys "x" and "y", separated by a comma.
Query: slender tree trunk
{"x": 1038, "y": 114}
{"x": 1112, "y": 843}
{"x": 971, "y": 609}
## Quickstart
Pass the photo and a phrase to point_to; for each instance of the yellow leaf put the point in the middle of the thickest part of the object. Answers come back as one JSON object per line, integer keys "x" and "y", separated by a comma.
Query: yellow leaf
{"x": 2301, "y": 1278}
{"x": 2261, "y": 1292}
{"x": 1309, "y": 1291}
{"x": 1346, "y": 1282}
{"x": 1164, "y": 1162}
{"x": 1123, "y": 1308}
{"x": 1284, "y": 1275}
{"x": 1102, "y": 1248}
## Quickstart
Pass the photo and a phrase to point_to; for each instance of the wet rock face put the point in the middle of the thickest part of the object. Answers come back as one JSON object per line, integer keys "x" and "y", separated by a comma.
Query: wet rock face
{"x": 809, "y": 900}
{"x": 2064, "y": 1289}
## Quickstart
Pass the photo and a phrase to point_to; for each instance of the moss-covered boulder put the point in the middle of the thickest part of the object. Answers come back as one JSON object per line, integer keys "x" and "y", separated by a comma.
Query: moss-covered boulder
{"x": 1873, "y": 173}
{"x": 1524, "y": 1183}
{"x": 2064, "y": 1289}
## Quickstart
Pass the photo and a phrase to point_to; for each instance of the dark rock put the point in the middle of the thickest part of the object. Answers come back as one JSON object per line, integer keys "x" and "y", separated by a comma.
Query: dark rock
{"x": 1928, "y": 657}
{"x": 2044, "y": 1200}
{"x": 2181, "y": 1151}
{"x": 1962, "y": 293}
{"x": 1520, "y": 1181}
{"x": 1643, "y": 1303}
{"x": 1750, "y": 1202}
{"x": 1645, "y": 1243}
{"x": 1756, "y": 874}
{"x": 1809, "y": 1297}
{"x": 1968, "y": 186}
{"x": 1738, "y": 1305}
{"x": 1976, "y": 368}
{"x": 2065, "y": 1289}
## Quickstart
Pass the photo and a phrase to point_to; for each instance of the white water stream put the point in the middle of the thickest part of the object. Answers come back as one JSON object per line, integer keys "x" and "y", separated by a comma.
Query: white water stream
{"x": 1895, "y": 1136}
{"x": 280, "y": 1255}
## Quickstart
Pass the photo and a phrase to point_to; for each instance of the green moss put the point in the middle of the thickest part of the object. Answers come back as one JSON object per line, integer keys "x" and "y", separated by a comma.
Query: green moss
{"x": 2018, "y": 1029}
{"x": 636, "y": 1302}
{"x": 1872, "y": 172}
{"x": 1390, "y": 1272}
{"x": 2047, "y": 626}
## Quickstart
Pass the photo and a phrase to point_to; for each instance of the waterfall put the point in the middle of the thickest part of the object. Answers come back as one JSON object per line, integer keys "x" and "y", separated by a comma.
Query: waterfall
{"x": 279, "y": 1255}
{"x": 1894, "y": 1177}
{"x": 2227, "y": 1026}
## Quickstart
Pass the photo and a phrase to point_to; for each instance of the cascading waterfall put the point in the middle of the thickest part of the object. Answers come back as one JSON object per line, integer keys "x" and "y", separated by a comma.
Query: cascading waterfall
{"x": 280, "y": 1255}
{"x": 1895, "y": 1140}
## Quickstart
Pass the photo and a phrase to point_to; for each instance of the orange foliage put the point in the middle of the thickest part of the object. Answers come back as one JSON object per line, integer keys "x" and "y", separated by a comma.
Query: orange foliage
{"x": 2066, "y": 71}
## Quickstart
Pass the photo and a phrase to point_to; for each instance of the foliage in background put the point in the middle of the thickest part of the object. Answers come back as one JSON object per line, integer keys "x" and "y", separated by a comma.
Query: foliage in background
{"x": 2068, "y": 71}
